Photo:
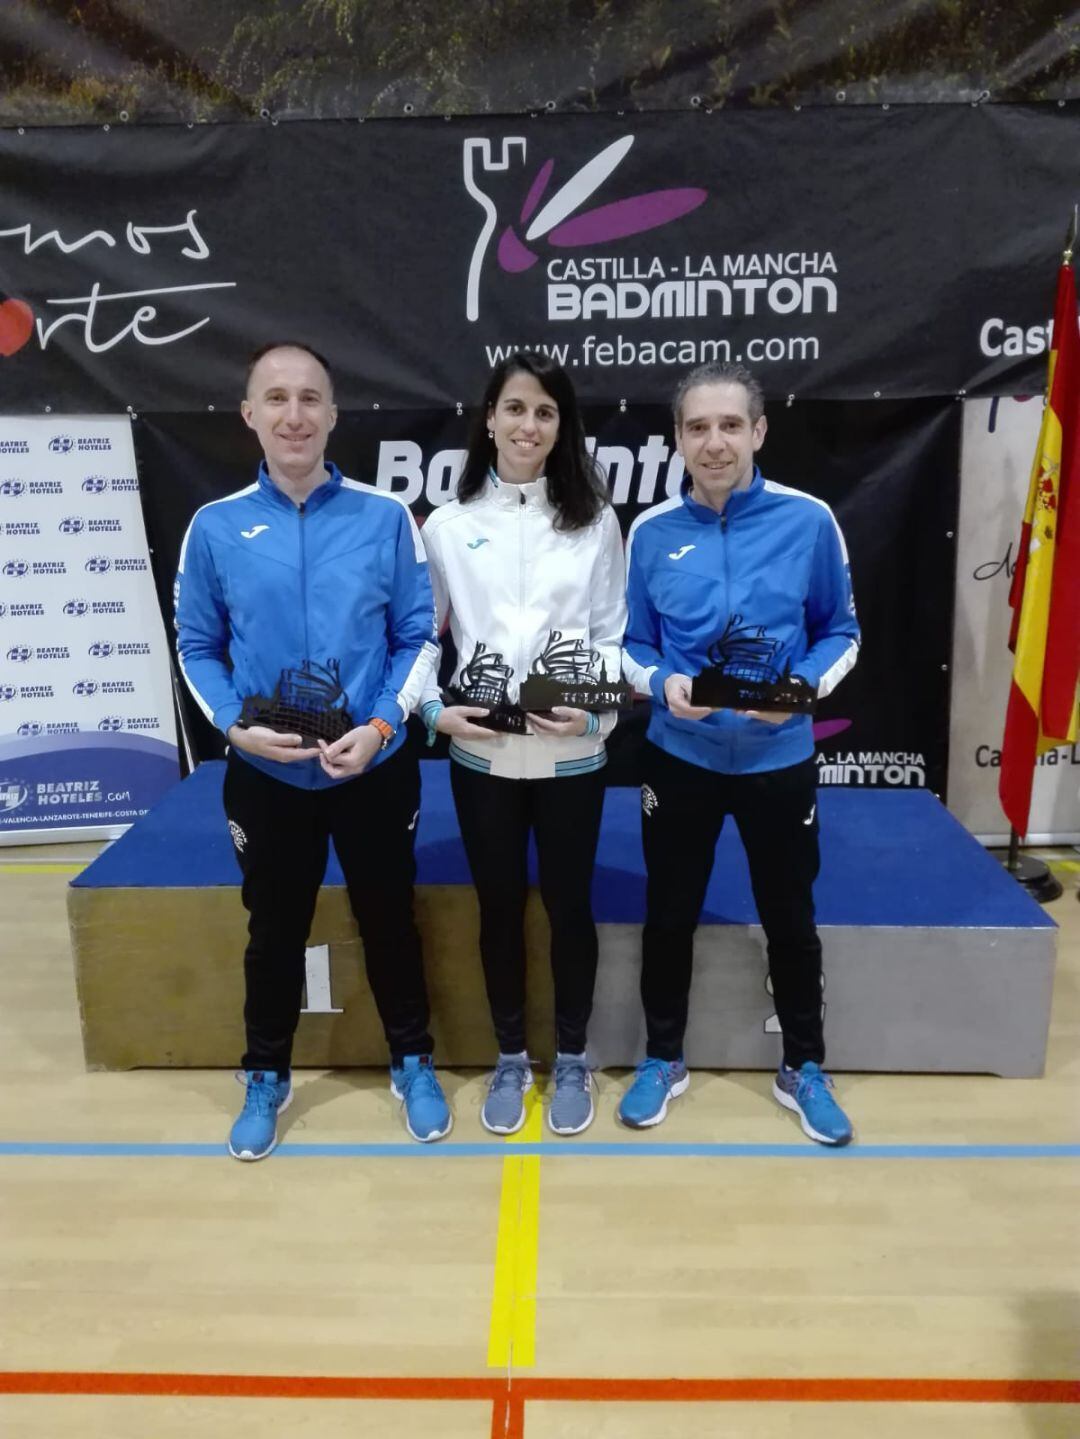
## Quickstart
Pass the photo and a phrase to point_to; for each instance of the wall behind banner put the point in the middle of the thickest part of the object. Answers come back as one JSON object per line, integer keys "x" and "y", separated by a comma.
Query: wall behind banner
{"x": 230, "y": 59}
{"x": 888, "y": 469}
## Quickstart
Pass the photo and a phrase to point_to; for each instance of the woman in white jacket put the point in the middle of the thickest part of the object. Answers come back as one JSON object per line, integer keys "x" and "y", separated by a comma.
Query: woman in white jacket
{"x": 528, "y": 557}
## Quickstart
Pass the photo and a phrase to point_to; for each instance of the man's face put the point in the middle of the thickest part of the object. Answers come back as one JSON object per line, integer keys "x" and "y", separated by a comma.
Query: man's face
{"x": 718, "y": 441}
{"x": 290, "y": 407}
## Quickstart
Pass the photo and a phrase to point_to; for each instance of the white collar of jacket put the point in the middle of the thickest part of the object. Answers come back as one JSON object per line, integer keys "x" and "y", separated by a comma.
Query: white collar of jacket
{"x": 507, "y": 495}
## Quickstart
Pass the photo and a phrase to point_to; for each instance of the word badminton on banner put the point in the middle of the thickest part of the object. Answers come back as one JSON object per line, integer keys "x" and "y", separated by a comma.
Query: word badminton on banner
{"x": 87, "y": 729}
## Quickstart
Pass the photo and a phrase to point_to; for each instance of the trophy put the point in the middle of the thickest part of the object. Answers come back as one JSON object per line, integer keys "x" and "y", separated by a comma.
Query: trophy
{"x": 742, "y": 676}
{"x": 485, "y": 681}
{"x": 564, "y": 673}
{"x": 308, "y": 701}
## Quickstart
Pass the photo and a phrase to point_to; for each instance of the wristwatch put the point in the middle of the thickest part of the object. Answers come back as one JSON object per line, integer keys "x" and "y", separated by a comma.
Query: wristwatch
{"x": 384, "y": 730}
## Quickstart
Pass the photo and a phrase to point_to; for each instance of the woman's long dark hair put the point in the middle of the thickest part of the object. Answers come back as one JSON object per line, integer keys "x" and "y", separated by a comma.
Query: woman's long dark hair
{"x": 575, "y": 485}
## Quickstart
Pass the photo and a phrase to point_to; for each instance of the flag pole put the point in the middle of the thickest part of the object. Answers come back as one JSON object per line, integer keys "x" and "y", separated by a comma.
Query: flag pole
{"x": 1034, "y": 874}
{"x": 1070, "y": 245}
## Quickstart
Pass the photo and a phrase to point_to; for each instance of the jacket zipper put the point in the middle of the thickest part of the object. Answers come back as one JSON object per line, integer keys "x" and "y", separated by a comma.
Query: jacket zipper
{"x": 521, "y": 607}
{"x": 727, "y": 606}
{"x": 302, "y": 511}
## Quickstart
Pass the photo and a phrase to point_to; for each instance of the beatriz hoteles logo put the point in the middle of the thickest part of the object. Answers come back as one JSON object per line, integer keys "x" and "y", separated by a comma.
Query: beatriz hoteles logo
{"x": 559, "y": 222}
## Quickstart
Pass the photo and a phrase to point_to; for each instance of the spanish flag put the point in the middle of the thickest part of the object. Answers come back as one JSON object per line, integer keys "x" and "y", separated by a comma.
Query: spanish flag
{"x": 1045, "y": 593}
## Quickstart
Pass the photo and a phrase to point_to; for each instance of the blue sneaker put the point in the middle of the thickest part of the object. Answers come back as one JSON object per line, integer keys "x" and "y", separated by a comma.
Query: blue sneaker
{"x": 656, "y": 1081}
{"x": 427, "y": 1114}
{"x": 571, "y": 1108}
{"x": 504, "y": 1107}
{"x": 806, "y": 1091}
{"x": 254, "y": 1134}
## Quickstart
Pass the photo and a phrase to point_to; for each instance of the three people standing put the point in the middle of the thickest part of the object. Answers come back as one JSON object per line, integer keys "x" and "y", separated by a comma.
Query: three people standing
{"x": 308, "y": 573}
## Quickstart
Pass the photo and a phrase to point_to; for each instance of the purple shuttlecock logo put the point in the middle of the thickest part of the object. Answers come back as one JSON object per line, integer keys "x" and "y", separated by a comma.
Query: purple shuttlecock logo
{"x": 557, "y": 219}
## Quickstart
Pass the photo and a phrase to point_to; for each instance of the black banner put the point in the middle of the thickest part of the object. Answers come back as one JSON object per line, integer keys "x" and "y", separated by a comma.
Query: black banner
{"x": 889, "y": 470}
{"x": 843, "y": 254}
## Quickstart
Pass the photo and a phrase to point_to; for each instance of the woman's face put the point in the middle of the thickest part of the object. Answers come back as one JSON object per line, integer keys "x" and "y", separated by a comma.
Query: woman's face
{"x": 525, "y": 423}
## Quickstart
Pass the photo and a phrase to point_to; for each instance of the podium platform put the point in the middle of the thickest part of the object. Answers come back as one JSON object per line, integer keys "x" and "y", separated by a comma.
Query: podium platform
{"x": 935, "y": 959}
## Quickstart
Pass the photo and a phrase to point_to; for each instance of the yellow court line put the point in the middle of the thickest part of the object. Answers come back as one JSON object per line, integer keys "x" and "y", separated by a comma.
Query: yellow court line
{"x": 57, "y": 867}
{"x": 512, "y": 1336}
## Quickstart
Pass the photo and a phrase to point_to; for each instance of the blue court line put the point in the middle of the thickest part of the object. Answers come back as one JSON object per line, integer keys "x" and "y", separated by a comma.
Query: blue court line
{"x": 553, "y": 1150}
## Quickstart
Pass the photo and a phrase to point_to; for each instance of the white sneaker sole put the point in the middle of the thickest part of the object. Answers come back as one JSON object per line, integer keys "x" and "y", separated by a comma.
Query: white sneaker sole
{"x": 579, "y": 1128}
{"x": 679, "y": 1087}
{"x": 246, "y": 1154}
{"x": 421, "y": 1138}
{"x": 788, "y": 1101}
{"x": 513, "y": 1129}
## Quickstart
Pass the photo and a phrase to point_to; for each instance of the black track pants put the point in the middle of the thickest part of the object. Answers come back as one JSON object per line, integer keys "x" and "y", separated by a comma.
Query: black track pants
{"x": 683, "y": 811}
{"x": 495, "y": 816}
{"x": 281, "y": 835}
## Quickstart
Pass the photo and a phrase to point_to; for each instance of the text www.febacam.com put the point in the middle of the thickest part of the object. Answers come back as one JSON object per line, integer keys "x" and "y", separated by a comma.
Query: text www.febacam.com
{"x": 621, "y": 351}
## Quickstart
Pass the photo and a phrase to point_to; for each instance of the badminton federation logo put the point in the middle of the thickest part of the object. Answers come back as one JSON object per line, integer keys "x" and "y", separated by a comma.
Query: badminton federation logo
{"x": 557, "y": 220}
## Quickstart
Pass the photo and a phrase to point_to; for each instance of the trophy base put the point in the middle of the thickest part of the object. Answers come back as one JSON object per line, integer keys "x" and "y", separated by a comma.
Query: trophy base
{"x": 503, "y": 719}
{"x": 539, "y": 694}
{"x": 716, "y": 690}
{"x": 310, "y": 725}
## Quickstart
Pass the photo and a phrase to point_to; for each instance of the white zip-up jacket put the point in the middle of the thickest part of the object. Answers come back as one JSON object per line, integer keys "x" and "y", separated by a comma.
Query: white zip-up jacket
{"x": 506, "y": 579}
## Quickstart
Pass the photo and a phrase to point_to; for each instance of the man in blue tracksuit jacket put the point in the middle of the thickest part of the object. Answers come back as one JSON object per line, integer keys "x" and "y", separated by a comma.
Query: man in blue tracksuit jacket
{"x": 735, "y": 570}
{"x": 310, "y": 587}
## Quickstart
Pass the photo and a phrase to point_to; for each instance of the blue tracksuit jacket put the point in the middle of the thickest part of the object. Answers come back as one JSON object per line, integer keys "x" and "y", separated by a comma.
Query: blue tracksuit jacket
{"x": 770, "y": 571}
{"x": 264, "y": 585}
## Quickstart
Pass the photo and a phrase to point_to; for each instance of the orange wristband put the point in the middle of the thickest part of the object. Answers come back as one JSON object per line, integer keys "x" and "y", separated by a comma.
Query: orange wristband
{"x": 383, "y": 728}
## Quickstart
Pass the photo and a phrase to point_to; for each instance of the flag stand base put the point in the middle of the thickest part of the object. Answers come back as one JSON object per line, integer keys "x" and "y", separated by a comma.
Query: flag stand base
{"x": 1035, "y": 876}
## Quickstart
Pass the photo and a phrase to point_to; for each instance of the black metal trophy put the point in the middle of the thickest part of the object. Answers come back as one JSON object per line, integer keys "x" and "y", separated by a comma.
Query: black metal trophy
{"x": 308, "y": 701}
{"x": 484, "y": 681}
{"x": 742, "y": 675}
{"x": 565, "y": 673}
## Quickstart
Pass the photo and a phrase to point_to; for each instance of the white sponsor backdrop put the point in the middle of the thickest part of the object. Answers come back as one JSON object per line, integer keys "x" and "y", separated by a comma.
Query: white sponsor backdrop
{"x": 87, "y": 733}
{"x": 998, "y": 446}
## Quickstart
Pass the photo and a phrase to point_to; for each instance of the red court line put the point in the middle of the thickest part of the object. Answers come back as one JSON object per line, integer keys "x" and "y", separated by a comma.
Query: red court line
{"x": 796, "y": 1391}
{"x": 249, "y": 1386}
{"x": 508, "y": 1398}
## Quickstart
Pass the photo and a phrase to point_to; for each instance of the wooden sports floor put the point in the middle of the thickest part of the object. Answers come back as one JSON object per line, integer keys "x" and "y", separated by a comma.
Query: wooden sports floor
{"x": 719, "y": 1275}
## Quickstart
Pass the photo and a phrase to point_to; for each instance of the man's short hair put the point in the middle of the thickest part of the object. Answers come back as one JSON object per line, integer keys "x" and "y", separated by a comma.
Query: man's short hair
{"x": 721, "y": 373}
{"x": 258, "y": 354}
